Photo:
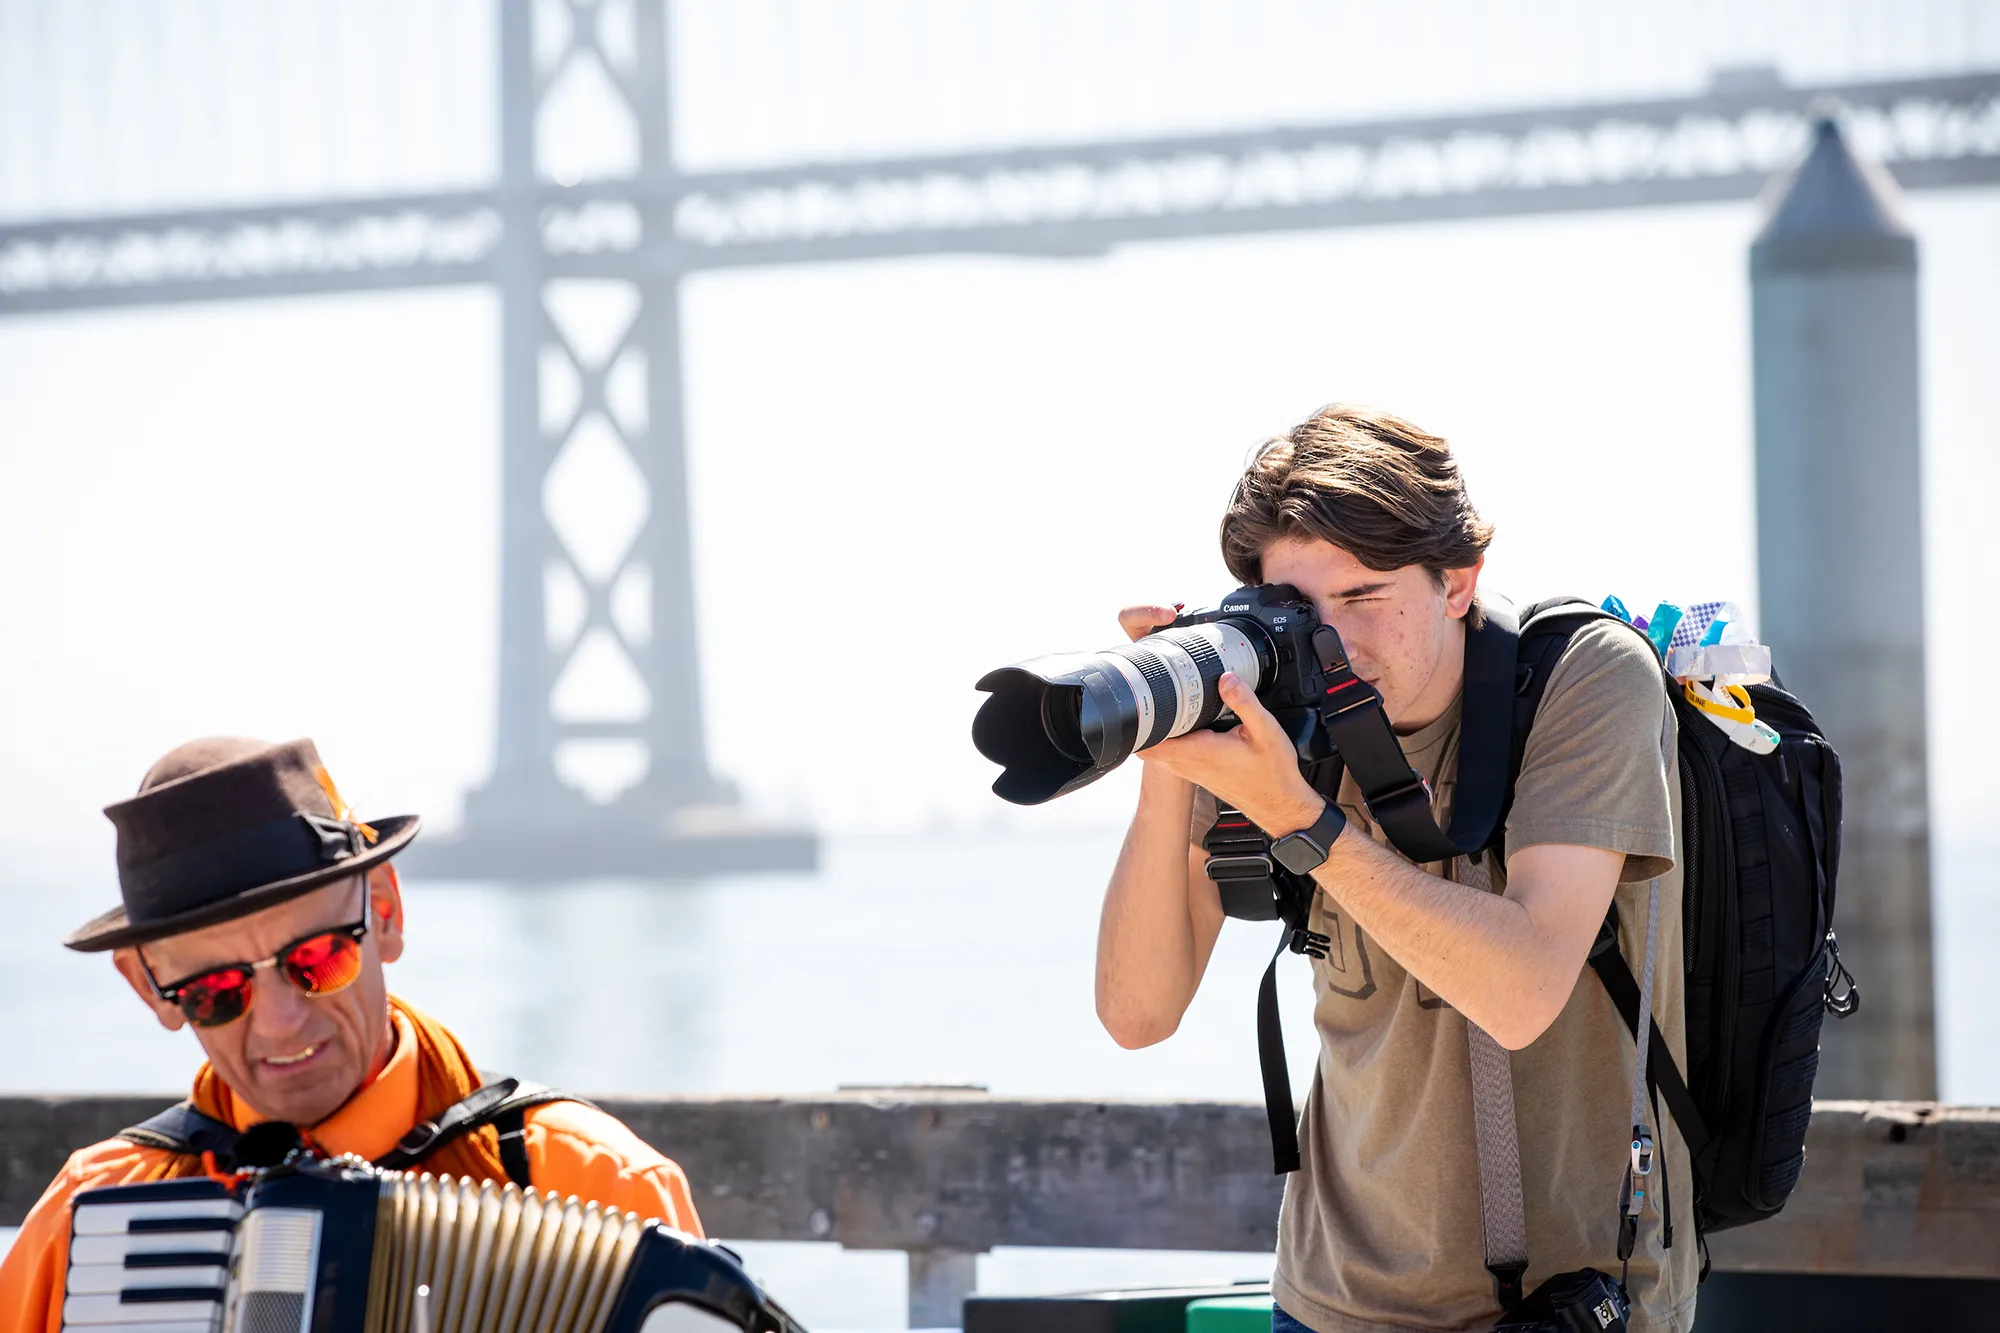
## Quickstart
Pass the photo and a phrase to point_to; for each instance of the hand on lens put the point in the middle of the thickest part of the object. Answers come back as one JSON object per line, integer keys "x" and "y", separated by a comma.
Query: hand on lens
{"x": 1253, "y": 767}
{"x": 1139, "y": 621}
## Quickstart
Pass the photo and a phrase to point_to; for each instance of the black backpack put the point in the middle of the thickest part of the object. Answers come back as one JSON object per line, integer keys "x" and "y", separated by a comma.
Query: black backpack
{"x": 1760, "y": 850}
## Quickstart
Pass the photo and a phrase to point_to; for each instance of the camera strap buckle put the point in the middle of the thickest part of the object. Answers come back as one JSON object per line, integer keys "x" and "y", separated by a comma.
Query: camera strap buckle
{"x": 1507, "y": 1283}
{"x": 1308, "y": 942}
{"x": 1642, "y": 1161}
{"x": 1637, "y": 1171}
{"x": 1239, "y": 867}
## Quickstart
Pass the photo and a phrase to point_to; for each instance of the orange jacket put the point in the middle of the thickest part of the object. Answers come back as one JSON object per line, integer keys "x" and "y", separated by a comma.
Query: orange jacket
{"x": 572, "y": 1149}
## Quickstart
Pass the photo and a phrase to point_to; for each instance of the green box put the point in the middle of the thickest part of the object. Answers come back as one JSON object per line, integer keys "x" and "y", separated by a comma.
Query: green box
{"x": 1133, "y": 1310}
{"x": 1230, "y": 1314}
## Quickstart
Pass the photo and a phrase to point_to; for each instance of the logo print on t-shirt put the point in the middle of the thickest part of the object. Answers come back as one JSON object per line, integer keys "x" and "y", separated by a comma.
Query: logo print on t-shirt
{"x": 1428, "y": 998}
{"x": 1347, "y": 959}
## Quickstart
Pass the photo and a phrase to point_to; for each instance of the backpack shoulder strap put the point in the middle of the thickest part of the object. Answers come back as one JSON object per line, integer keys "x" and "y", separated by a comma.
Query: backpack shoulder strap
{"x": 182, "y": 1129}
{"x": 1546, "y": 630}
{"x": 1661, "y": 1071}
{"x": 503, "y": 1102}
{"x": 1484, "y": 780}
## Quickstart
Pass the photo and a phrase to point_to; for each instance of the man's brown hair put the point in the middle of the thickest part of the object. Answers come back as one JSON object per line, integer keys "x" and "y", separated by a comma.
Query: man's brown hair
{"x": 1372, "y": 484}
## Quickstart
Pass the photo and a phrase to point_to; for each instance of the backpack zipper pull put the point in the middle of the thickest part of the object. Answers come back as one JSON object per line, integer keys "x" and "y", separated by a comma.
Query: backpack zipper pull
{"x": 1843, "y": 993}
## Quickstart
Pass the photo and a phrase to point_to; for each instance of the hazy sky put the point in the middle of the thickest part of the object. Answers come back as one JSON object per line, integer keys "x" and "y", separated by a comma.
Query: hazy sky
{"x": 280, "y": 518}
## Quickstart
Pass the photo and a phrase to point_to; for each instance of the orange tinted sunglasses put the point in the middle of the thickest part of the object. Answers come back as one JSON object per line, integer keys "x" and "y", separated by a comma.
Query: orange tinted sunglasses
{"x": 321, "y": 963}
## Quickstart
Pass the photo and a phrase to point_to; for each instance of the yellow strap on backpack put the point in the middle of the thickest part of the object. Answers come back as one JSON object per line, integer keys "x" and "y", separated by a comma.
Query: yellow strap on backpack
{"x": 1708, "y": 703}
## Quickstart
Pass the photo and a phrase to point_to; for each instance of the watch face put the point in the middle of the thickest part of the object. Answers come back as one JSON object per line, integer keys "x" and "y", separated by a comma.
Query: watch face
{"x": 1298, "y": 853}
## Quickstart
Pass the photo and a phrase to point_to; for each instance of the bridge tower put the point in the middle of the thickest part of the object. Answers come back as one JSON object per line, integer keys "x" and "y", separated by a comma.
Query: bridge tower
{"x": 1833, "y": 284}
{"x": 616, "y": 592}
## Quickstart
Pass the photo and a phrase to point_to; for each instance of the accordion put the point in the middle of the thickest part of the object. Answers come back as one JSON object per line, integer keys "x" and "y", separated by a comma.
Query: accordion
{"x": 339, "y": 1246}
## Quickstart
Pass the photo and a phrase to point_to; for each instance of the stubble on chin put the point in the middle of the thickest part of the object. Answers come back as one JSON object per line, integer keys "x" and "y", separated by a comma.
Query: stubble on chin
{"x": 311, "y": 1102}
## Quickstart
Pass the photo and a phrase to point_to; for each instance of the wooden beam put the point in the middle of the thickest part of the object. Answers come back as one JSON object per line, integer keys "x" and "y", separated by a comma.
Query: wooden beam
{"x": 1889, "y": 1188}
{"x": 965, "y": 1171}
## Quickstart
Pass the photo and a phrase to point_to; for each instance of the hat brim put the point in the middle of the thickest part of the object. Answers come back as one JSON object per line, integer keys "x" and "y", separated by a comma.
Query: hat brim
{"x": 114, "y": 930}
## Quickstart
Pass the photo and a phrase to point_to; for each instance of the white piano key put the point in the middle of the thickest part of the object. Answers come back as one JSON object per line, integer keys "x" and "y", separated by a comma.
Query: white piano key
{"x": 113, "y": 1219}
{"x": 94, "y": 1279}
{"x": 113, "y": 1249}
{"x": 110, "y": 1312}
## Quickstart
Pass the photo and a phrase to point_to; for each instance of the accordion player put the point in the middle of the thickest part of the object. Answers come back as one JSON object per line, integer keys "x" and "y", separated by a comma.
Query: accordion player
{"x": 339, "y": 1246}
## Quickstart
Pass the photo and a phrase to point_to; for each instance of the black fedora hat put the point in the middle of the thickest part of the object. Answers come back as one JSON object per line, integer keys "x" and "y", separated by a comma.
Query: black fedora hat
{"x": 223, "y": 827}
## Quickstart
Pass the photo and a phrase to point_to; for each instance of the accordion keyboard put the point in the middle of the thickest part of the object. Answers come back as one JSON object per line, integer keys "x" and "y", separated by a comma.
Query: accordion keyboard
{"x": 150, "y": 1258}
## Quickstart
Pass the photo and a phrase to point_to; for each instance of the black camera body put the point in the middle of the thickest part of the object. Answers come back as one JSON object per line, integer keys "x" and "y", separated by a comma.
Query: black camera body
{"x": 1585, "y": 1301}
{"x": 1296, "y": 651}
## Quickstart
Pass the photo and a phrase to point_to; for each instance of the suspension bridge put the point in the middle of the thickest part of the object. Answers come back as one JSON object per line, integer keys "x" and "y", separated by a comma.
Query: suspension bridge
{"x": 530, "y": 235}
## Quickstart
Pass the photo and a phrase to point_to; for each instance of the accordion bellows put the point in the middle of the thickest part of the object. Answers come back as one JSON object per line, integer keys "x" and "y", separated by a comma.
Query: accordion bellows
{"x": 494, "y": 1257}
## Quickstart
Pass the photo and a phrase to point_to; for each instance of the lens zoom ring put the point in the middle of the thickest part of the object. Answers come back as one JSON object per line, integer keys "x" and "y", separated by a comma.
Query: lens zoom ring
{"x": 1209, "y": 663}
{"x": 1160, "y": 679}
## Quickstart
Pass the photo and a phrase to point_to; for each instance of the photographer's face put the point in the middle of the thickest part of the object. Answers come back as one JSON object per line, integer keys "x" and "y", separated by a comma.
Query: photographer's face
{"x": 1405, "y": 635}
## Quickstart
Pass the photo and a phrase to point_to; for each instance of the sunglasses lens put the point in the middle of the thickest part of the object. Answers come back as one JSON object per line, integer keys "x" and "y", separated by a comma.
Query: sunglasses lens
{"x": 218, "y": 998}
{"x": 324, "y": 963}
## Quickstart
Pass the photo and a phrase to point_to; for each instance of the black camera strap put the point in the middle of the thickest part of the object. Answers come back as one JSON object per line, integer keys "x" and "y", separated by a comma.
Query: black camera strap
{"x": 1271, "y": 1063}
{"x": 1253, "y": 887}
{"x": 1397, "y": 798}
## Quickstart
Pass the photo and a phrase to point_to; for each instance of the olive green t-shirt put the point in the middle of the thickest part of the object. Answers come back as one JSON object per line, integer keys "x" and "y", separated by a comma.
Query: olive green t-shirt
{"x": 1380, "y": 1228}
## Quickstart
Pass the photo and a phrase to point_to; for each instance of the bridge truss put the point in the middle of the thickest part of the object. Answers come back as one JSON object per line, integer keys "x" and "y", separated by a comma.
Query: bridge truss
{"x": 529, "y": 237}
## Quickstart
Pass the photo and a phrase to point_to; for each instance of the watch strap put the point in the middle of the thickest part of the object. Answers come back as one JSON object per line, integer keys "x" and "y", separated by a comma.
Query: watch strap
{"x": 1311, "y": 844}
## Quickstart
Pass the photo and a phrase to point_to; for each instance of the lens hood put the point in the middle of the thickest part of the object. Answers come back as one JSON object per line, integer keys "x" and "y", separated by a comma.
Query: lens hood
{"x": 1044, "y": 726}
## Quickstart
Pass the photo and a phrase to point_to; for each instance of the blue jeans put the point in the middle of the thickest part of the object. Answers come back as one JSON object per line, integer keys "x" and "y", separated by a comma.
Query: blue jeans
{"x": 1284, "y": 1323}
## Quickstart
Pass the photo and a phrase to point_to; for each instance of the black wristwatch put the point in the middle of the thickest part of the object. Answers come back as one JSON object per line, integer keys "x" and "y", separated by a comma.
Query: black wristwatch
{"x": 1305, "y": 851}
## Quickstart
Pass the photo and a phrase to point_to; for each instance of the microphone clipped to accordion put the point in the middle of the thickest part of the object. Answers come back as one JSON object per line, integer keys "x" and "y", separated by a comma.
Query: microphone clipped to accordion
{"x": 320, "y": 1245}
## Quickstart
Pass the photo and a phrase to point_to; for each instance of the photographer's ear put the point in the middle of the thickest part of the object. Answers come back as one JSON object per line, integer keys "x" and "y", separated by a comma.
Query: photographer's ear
{"x": 385, "y": 911}
{"x": 1459, "y": 587}
{"x": 128, "y": 965}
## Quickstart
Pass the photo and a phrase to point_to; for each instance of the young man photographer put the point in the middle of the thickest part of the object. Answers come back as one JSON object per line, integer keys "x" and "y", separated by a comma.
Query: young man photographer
{"x": 1367, "y": 516}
